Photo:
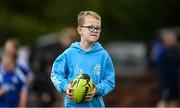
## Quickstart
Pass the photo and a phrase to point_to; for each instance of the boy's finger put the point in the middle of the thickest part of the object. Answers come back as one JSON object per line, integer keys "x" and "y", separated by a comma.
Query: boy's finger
{"x": 69, "y": 93}
{"x": 88, "y": 99}
{"x": 91, "y": 94}
{"x": 70, "y": 96}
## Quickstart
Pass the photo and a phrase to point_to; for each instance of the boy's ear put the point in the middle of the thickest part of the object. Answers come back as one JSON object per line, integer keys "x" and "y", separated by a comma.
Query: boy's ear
{"x": 79, "y": 29}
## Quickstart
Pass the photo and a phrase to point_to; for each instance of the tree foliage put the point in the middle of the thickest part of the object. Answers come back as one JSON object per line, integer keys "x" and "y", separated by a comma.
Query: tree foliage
{"x": 121, "y": 19}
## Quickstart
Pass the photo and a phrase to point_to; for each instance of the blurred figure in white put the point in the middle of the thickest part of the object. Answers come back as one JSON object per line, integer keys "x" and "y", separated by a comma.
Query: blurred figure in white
{"x": 12, "y": 45}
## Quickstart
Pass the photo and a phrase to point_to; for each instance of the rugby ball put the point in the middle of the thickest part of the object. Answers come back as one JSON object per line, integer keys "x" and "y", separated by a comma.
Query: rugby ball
{"x": 81, "y": 86}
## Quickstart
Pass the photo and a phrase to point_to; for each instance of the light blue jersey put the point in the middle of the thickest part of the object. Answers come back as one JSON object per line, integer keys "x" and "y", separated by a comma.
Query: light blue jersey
{"x": 96, "y": 63}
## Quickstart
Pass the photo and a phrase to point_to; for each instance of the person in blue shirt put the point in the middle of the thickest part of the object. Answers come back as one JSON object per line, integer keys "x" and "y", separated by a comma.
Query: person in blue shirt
{"x": 12, "y": 45}
{"x": 13, "y": 89}
{"x": 86, "y": 56}
{"x": 167, "y": 63}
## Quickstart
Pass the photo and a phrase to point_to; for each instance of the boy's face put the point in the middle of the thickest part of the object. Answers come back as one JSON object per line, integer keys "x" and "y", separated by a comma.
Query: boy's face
{"x": 8, "y": 62}
{"x": 169, "y": 39}
{"x": 90, "y": 30}
{"x": 9, "y": 47}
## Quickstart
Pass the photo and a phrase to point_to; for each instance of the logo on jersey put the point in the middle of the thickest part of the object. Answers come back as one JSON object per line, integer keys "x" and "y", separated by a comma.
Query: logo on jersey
{"x": 97, "y": 69}
{"x": 78, "y": 70}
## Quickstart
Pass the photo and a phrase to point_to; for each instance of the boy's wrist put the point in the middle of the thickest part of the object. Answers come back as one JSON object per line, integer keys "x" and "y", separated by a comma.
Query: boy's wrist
{"x": 97, "y": 90}
{"x": 65, "y": 87}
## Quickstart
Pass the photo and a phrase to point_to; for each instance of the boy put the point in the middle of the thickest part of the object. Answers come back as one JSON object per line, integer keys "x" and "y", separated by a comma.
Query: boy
{"x": 86, "y": 56}
{"x": 12, "y": 45}
{"x": 167, "y": 62}
{"x": 13, "y": 91}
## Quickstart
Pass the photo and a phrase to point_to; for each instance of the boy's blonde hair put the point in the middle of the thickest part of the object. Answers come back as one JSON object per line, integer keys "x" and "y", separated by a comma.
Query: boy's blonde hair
{"x": 83, "y": 14}
{"x": 14, "y": 41}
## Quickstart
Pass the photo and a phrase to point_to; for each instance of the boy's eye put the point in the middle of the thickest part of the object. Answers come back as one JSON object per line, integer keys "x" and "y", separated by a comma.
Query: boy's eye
{"x": 91, "y": 27}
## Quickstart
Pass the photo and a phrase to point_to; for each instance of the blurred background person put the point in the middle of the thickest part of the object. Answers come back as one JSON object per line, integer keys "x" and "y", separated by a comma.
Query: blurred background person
{"x": 13, "y": 88}
{"x": 167, "y": 64}
{"x": 44, "y": 51}
{"x": 12, "y": 45}
{"x": 68, "y": 35}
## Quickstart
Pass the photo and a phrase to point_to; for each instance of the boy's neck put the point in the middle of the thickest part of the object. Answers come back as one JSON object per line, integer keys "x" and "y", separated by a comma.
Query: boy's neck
{"x": 85, "y": 45}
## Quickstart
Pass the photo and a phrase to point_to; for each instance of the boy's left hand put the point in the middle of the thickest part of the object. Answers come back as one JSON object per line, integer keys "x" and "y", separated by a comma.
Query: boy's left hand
{"x": 91, "y": 95}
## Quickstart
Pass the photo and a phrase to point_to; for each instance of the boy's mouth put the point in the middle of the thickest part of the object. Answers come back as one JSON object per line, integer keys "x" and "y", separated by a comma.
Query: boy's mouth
{"x": 94, "y": 35}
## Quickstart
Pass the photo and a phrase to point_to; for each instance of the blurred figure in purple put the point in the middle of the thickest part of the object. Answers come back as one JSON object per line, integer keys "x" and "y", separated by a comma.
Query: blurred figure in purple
{"x": 167, "y": 63}
{"x": 13, "y": 89}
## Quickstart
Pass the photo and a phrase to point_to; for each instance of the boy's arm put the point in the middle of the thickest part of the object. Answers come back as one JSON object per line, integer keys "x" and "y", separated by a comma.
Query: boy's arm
{"x": 23, "y": 98}
{"x": 4, "y": 88}
{"x": 23, "y": 93}
{"x": 58, "y": 74}
{"x": 2, "y": 91}
{"x": 107, "y": 83}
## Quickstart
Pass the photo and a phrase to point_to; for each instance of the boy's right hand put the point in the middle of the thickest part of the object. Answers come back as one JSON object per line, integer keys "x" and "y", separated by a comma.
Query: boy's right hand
{"x": 68, "y": 91}
{"x": 2, "y": 91}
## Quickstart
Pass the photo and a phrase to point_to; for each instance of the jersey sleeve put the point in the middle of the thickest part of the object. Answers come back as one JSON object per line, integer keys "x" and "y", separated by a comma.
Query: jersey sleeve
{"x": 107, "y": 83}
{"x": 59, "y": 74}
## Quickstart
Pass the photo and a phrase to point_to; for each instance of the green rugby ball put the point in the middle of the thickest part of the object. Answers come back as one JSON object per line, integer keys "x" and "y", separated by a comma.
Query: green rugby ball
{"x": 81, "y": 86}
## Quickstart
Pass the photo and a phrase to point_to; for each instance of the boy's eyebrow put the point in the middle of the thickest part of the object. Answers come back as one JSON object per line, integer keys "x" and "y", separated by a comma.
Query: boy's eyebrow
{"x": 92, "y": 25}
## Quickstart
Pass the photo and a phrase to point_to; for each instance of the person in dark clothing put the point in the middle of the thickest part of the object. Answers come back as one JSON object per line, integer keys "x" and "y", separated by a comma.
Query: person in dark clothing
{"x": 42, "y": 58}
{"x": 167, "y": 63}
